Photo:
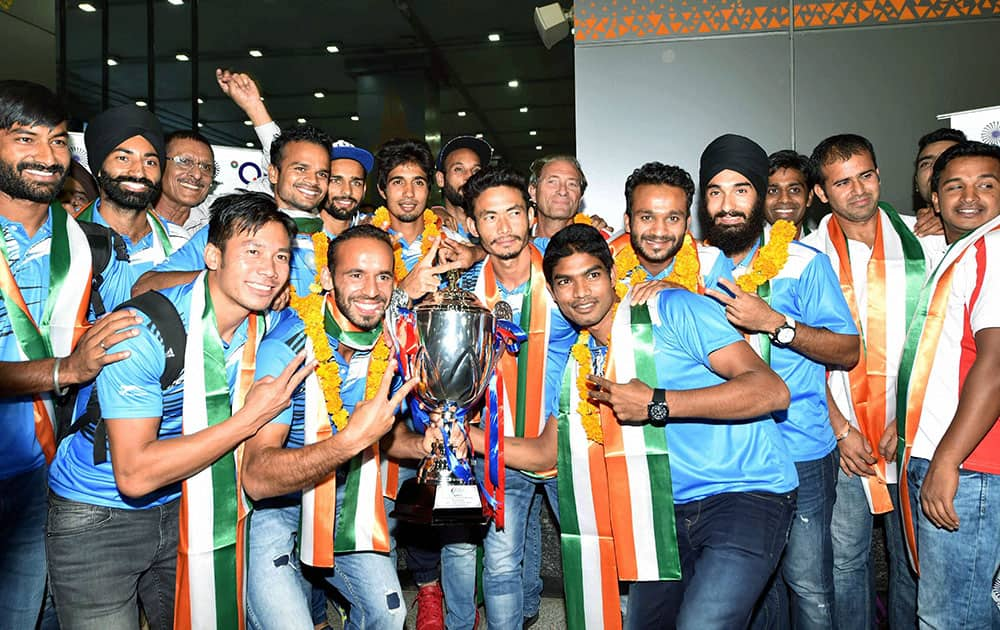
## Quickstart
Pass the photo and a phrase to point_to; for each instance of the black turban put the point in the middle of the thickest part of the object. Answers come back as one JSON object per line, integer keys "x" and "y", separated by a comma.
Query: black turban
{"x": 734, "y": 153}
{"x": 116, "y": 125}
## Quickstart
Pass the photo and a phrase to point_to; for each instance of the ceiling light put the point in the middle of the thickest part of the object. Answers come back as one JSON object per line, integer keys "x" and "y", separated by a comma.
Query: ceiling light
{"x": 332, "y": 48}
{"x": 182, "y": 57}
{"x": 112, "y": 61}
{"x": 479, "y": 135}
{"x": 249, "y": 145}
{"x": 532, "y": 133}
{"x": 200, "y": 125}
{"x": 248, "y": 123}
{"x": 141, "y": 103}
{"x": 461, "y": 114}
{"x": 355, "y": 117}
{"x": 176, "y": 3}
{"x": 86, "y": 7}
{"x": 201, "y": 101}
{"x": 318, "y": 94}
{"x": 538, "y": 147}
{"x": 524, "y": 110}
{"x": 513, "y": 83}
{"x": 493, "y": 37}
{"x": 301, "y": 121}
{"x": 255, "y": 52}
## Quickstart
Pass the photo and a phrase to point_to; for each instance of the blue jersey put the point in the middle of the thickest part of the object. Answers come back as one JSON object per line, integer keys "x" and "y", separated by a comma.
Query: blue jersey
{"x": 807, "y": 290}
{"x": 29, "y": 264}
{"x": 141, "y": 254}
{"x": 130, "y": 389}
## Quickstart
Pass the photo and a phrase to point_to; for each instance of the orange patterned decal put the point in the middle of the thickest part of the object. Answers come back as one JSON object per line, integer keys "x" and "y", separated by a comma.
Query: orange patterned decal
{"x": 631, "y": 19}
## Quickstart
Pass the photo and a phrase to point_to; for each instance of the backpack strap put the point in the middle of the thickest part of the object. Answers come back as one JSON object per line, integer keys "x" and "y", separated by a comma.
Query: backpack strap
{"x": 103, "y": 242}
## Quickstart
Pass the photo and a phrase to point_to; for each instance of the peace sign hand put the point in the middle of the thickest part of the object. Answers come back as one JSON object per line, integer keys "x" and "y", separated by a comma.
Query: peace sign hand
{"x": 425, "y": 278}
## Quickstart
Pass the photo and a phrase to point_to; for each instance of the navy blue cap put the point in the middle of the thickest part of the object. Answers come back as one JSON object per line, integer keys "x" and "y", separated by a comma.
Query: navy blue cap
{"x": 479, "y": 146}
{"x": 344, "y": 150}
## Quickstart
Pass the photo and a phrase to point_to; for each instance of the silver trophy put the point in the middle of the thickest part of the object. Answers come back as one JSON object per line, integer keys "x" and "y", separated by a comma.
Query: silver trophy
{"x": 456, "y": 336}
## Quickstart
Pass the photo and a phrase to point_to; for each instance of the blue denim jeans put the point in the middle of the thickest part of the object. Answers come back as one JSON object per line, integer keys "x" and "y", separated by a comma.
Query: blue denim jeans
{"x": 101, "y": 559}
{"x": 801, "y": 592}
{"x": 853, "y": 581}
{"x": 22, "y": 556}
{"x": 279, "y": 594}
{"x": 957, "y": 568}
{"x": 729, "y": 546}
{"x": 531, "y": 570}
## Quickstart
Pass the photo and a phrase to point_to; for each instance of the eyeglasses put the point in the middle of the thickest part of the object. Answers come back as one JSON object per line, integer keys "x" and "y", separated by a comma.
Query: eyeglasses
{"x": 188, "y": 164}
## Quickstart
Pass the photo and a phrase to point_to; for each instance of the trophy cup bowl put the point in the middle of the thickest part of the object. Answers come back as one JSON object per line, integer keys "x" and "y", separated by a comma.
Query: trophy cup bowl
{"x": 458, "y": 352}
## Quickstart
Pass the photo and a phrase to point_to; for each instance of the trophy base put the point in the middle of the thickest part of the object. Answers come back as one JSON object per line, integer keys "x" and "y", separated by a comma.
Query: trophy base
{"x": 433, "y": 504}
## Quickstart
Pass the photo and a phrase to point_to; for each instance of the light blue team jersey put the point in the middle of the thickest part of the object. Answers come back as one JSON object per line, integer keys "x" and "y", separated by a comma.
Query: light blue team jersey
{"x": 191, "y": 257}
{"x": 807, "y": 290}
{"x": 711, "y": 457}
{"x": 130, "y": 389}
{"x": 29, "y": 264}
{"x": 137, "y": 258}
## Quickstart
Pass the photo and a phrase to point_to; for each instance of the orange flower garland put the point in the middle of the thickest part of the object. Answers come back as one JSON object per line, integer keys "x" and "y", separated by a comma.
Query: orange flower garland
{"x": 430, "y": 234}
{"x": 770, "y": 258}
{"x": 686, "y": 271}
{"x": 582, "y": 218}
{"x": 590, "y": 417}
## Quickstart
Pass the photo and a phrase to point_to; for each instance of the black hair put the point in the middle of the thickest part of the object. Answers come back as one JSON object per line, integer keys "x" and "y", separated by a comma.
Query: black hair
{"x": 841, "y": 148}
{"x": 492, "y": 177}
{"x": 398, "y": 151}
{"x": 187, "y": 134}
{"x": 535, "y": 170}
{"x": 793, "y": 160}
{"x": 943, "y": 134}
{"x": 28, "y": 104}
{"x": 363, "y": 230}
{"x": 245, "y": 213}
{"x": 576, "y": 238}
{"x": 969, "y": 148}
{"x": 658, "y": 174}
{"x": 298, "y": 133}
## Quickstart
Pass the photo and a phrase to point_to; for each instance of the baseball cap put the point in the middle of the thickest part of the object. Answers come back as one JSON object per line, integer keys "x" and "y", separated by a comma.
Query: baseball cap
{"x": 342, "y": 149}
{"x": 481, "y": 148}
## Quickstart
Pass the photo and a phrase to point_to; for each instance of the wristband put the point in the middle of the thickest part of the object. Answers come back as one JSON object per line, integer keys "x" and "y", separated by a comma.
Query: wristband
{"x": 56, "y": 389}
{"x": 847, "y": 430}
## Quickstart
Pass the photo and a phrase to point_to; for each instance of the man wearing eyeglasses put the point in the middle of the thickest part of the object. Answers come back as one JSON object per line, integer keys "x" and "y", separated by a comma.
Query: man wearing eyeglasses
{"x": 187, "y": 179}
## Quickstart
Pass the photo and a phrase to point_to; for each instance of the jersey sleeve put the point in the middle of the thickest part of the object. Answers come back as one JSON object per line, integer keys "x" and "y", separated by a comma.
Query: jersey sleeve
{"x": 694, "y": 323}
{"x": 190, "y": 257}
{"x": 130, "y": 388}
{"x": 820, "y": 300}
{"x": 984, "y": 309}
{"x": 273, "y": 357}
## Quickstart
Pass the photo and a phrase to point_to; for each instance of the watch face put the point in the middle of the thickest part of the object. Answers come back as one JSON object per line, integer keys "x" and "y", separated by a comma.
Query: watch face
{"x": 785, "y": 335}
{"x": 658, "y": 413}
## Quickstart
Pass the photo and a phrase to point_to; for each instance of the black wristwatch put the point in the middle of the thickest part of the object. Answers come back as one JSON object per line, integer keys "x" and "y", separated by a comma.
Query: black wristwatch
{"x": 784, "y": 335}
{"x": 658, "y": 409}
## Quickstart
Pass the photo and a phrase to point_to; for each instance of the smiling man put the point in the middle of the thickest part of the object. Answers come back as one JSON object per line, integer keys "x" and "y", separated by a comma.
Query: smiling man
{"x": 789, "y": 188}
{"x": 187, "y": 179}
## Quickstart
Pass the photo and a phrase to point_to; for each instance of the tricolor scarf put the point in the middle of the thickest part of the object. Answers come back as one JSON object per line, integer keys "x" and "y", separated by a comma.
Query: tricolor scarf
{"x": 638, "y": 464}
{"x": 919, "y": 350}
{"x": 64, "y": 318}
{"x": 895, "y": 272}
{"x": 211, "y": 552}
{"x": 161, "y": 248}
{"x": 585, "y": 526}
{"x": 362, "y": 524}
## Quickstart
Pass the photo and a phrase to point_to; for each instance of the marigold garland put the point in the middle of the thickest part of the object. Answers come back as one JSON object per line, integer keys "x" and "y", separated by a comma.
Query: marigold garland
{"x": 582, "y": 219}
{"x": 770, "y": 258}
{"x": 427, "y": 238}
{"x": 686, "y": 271}
{"x": 590, "y": 417}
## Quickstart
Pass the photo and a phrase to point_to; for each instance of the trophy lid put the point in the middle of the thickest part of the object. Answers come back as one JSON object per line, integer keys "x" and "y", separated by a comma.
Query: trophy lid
{"x": 451, "y": 299}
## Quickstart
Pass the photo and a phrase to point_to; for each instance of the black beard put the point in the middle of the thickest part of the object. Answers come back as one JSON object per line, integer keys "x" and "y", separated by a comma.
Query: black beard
{"x": 344, "y": 307}
{"x": 111, "y": 186}
{"x": 335, "y": 212}
{"x": 453, "y": 196}
{"x": 637, "y": 247}
{"x": 732, "y": 240}
{"x": 11, "y": 182}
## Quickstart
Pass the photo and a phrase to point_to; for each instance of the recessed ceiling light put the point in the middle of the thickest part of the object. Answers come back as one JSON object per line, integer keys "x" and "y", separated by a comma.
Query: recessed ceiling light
{"x": 332, "y": 48}
{"x": 538, "y": 147}
{"x": 355, "y": 117}
{"x": 249, "y": 145}
{"x": 86, "y": 7}
{"x": 461, "y": 114}
{"x": 301, "y": 121}
{"x": 182, "y": 57}
{"x": 256, "y": 52}
{"x": 112, "y": 61}
{"x": 200, "y": 124}
{"x": 318, "y": 94}
{"x": 141, "y": 103}
{"x": 479, "y": 135}
{"x": 201, "y": 101}
{"x": 176, "y": 3}
{"x": 248, "y": 123}
{"x": 513, "y": 83}
{"x": 493, "y": 37}
{"x": 524, "y": 110}
{"x": 532, "y": 133}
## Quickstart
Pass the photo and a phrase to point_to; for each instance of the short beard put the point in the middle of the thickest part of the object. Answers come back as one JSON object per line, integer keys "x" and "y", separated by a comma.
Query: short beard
{"x": 111, "y": 186}
{"x": 335, "y": 212}
{"x": 510, "y": 255}
{"x": 453, "y": 196}
{"x": 732, "y": 240}
{"x": 638, "y": 248}
{"x": 11, "y": 182}
{"x": 344, "y": 306}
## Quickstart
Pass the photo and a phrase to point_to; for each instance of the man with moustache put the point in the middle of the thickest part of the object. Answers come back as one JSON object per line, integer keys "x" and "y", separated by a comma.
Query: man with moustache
{"x": 293, "y": 471}
{"x": 45, "y": 273}
{"x": 125, "y": 152}
{"x": 881, "y": 265}
{"x": 789, "y": 189}
{"x": 929, "y": 147}
{"x": 786, "y": 298}
{"x": 300, "y": 174}
{"x": 187, "y": 179}
{"x": 949, "y": 401}
{"x": 165, "y": 505}
{"x": 458, "y": 160}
